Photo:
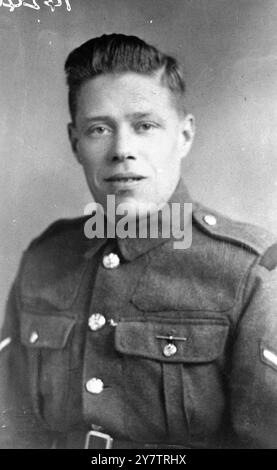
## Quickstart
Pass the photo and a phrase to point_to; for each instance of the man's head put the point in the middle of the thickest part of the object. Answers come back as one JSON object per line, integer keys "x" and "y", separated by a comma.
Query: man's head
{"x": 129, "y": 127}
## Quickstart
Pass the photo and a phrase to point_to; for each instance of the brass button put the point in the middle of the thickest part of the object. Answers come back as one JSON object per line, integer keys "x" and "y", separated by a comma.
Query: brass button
{"x": 169, "y": 350}
{"x": 95, "y": 386}
{"x": 33, "y": 337}
{"x": 210, "y": 219}
{"x": 111, "y": 261}
{"x": 96, "y": 321}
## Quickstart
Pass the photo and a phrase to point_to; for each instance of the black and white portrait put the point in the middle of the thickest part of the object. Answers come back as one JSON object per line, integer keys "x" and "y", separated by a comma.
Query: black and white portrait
{"x": 139, "y": 224}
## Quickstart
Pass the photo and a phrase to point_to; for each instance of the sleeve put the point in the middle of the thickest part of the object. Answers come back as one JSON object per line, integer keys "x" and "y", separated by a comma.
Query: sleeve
{"x": 253, "y": 377}
{"x": 19, "y": 427}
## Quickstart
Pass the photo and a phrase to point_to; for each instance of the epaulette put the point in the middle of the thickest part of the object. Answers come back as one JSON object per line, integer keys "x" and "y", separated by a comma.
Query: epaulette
{"x": 269, "y": 259}
{"x": 245, "y": 235}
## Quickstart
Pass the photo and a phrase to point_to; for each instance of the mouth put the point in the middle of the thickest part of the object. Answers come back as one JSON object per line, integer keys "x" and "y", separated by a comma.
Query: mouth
{"x": 125, "y": 178}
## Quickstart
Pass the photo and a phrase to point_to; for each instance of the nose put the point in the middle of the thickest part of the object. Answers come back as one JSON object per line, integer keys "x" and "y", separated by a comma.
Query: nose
{"x": 123, "y": 148}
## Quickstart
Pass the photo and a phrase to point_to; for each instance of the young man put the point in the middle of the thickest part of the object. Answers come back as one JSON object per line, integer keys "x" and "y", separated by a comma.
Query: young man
{"x": 132, "y": 342}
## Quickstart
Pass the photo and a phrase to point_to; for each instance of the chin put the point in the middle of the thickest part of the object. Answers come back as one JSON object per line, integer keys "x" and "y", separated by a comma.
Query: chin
{"x": 134, "y": 208}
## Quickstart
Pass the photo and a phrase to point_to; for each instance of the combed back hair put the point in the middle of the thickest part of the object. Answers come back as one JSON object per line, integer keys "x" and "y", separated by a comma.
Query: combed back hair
{"x": 118, "y": 53}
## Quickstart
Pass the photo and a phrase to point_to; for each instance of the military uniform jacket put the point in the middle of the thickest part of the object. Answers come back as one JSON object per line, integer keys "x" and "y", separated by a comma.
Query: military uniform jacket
{"x": 172, "y": 346}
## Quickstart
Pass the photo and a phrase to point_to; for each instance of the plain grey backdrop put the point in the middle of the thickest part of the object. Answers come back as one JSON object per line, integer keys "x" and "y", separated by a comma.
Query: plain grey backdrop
{"x": 229, "y": 52}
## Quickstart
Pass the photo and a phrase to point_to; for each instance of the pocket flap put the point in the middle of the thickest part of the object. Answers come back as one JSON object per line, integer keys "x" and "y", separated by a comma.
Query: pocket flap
{"x": 45, "y": 331}
{"x": 197, "y": 340}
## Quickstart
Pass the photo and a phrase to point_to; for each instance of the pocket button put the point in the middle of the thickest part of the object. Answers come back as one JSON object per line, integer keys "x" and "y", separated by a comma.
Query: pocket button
{"x": 169, "y": 350}
{"x": 33, "y": 337}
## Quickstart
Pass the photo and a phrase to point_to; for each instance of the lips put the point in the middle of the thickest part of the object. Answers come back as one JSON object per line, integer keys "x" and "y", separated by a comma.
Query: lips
{"x": 124, "y": 178}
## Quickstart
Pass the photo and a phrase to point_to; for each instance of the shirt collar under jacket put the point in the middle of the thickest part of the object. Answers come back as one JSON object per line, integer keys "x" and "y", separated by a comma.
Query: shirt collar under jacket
{"x": 131, "y": 248}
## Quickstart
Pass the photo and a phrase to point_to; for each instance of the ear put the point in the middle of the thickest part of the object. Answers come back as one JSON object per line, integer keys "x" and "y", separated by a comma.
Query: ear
{"x": 73, "y": 138}
{"x": 187, "y": 132}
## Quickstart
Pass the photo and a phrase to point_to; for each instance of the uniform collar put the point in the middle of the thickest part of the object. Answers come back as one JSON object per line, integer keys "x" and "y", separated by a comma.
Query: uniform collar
{"x": 131, "y": 248}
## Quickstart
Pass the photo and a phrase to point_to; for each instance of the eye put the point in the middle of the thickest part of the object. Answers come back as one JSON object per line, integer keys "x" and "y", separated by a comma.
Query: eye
{"x": 98, "y": 131}
{"x": 146, "y": 126}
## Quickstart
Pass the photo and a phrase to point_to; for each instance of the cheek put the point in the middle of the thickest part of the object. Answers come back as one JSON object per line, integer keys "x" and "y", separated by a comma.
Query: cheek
{"x": 91, "y": 155}
{"x": 90, "y": 148}
{"x": 167, "y": 140}
{"x": 163, "y": 149}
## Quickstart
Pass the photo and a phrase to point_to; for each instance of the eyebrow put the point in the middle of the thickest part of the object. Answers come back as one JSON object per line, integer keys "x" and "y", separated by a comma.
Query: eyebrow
{"x": 137, "y": 115}
{"x": 87, "y": 120}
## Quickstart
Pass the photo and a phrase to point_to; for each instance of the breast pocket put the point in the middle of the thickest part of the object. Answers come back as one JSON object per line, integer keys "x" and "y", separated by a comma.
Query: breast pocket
{"x": 47, "y": 343}
{"x": 173, "y": 377}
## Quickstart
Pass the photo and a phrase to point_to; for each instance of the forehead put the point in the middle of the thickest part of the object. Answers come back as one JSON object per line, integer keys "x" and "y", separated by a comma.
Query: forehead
{"x": 126, "y": 93}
